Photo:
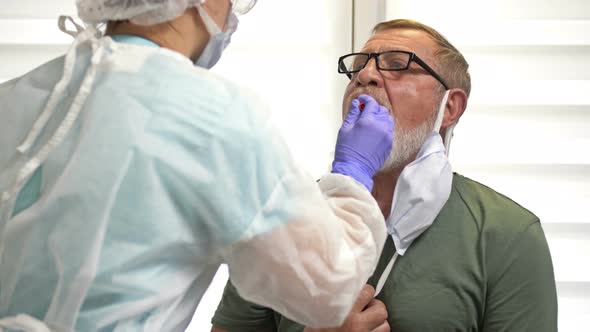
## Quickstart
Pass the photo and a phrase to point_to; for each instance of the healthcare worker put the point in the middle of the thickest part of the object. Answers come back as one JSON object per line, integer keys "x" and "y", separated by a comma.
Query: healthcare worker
{"x": 128, "y": 175}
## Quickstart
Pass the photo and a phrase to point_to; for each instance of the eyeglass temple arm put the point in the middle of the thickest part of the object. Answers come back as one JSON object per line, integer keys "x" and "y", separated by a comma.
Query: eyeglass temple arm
{"x": 343, "y": 69}
{"x": 430, "y": 70}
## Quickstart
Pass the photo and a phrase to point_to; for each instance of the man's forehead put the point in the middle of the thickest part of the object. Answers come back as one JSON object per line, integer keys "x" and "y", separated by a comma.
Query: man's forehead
{"x": 411, "y": 40}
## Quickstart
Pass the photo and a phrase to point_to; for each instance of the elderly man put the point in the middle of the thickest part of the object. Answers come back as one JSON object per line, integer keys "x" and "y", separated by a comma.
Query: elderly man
{"x": 460, "y": 256}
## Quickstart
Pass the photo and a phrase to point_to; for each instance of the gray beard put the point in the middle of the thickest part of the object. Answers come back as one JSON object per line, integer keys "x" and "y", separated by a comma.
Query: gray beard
{"x": 406, "y": 144}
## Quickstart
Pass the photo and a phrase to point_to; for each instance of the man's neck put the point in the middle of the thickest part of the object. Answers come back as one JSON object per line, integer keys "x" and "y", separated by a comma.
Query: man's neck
{"x": 383, "y": 188}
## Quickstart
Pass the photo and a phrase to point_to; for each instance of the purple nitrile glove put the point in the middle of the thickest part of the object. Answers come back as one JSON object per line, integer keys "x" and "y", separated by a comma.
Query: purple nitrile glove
{"x": 364, "y": 141}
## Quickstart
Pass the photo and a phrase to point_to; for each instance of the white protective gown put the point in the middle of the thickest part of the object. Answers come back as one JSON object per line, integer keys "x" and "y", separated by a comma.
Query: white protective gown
{"x": 145, "y": 180}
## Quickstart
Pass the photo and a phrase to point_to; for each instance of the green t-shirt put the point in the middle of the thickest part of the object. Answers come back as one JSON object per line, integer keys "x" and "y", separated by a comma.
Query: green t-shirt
{"x": 484, "y": 265}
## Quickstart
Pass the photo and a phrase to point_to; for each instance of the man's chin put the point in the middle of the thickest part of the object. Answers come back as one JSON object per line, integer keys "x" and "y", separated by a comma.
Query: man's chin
{"x": 395, "y": 165}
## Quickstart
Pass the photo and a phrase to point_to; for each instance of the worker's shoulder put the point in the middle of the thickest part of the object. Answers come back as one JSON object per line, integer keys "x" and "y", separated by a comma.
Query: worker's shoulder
{"x": 197, "y": 84}
{"x": 174, "y": 85}
{"x": 491, "y": 210}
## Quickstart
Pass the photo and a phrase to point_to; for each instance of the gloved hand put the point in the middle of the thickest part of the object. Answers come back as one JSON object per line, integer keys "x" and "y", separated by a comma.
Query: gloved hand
{"x": 364, "y": 141}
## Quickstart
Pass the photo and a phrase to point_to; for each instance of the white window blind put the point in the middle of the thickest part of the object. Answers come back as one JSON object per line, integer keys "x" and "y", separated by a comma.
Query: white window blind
{"x": 526, "y": 131}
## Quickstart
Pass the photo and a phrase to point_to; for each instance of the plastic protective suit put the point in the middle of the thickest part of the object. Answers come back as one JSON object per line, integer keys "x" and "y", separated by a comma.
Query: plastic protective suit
{"x": 128, "y": 175}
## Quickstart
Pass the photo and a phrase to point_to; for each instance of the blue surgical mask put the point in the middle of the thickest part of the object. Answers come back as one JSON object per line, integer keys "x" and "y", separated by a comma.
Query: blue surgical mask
{"x": 218, "y": 39}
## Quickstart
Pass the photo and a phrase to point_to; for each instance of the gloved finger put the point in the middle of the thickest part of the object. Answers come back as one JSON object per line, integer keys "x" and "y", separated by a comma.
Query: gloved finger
{"x": 369, "y": 102}
{"x": 384, "y": 113}
{"x": 381, "y": 114}
{"x": 353, "y": 113}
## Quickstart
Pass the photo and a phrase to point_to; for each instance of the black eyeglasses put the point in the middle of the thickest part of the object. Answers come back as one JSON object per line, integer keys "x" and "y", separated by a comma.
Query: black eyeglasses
{"x": 387, "y": 61}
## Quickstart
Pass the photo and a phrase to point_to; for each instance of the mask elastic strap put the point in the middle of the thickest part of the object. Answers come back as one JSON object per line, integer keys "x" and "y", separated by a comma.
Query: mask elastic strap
{"x": 211, "y": 26}
{"x": 441, "y": 112}
{"x": 385, "y": 274}
{"x": 448, "y": 137}
{"x": 438, "y": 124}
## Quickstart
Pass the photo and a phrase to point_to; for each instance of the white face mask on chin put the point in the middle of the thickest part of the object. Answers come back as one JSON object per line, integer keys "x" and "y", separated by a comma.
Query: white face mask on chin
{"x": 422, "y": 189}
{"x": 218, "y": 40}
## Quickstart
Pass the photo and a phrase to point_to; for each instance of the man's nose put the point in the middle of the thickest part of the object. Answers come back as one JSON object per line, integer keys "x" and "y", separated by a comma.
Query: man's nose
{"x": 370, "y": 75}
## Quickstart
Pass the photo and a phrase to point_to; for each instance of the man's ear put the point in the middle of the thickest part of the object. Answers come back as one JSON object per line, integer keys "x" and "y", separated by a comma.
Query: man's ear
{"x": 456, "y": 105}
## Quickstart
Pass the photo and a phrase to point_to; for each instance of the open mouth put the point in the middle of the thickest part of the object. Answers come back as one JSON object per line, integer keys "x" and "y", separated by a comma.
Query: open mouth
{"x": 377, "y": 98}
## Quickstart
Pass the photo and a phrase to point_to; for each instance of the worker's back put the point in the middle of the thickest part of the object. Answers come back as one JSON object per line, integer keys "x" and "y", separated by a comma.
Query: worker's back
{"x": 109, "y": 231}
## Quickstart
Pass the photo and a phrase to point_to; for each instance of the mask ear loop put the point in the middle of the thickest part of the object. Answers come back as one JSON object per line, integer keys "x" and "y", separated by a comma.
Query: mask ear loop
{"x": 441, "y": 112}
{"x": 448, "y": 137}
{"x": 438, "y": 124}
{"x": 385, "y": 274}
{"x": 212, "y": 27}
